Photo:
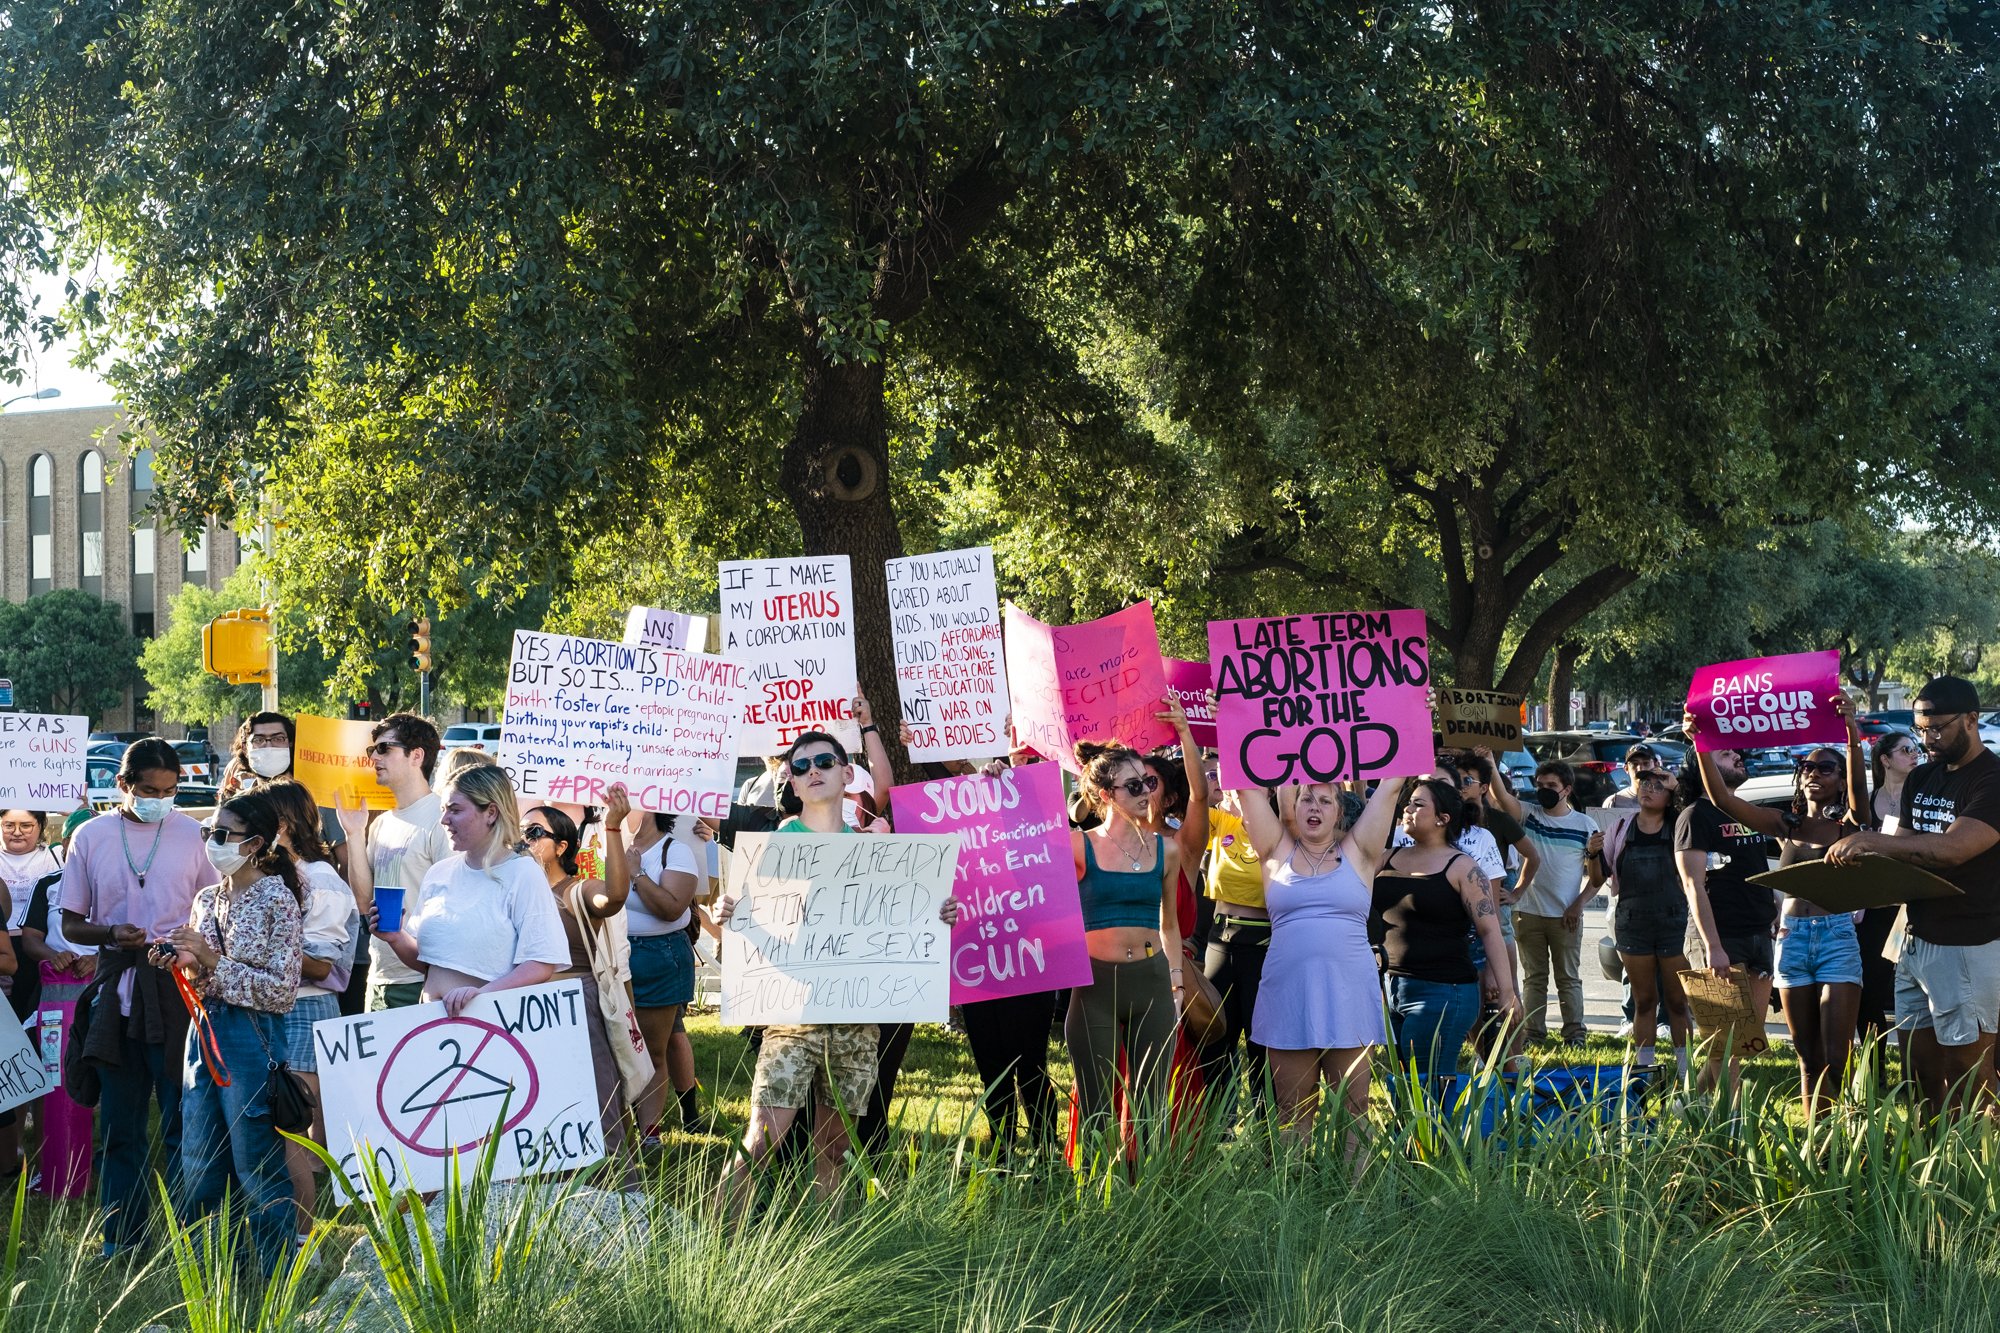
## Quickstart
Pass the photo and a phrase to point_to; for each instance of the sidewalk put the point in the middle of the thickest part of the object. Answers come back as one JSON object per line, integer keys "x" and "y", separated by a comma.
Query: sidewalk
{"x": 1603, "y": 1000}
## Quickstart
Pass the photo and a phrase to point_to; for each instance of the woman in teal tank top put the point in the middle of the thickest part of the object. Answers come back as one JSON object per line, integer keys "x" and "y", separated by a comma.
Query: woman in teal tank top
{"x": 1126, "y": 877}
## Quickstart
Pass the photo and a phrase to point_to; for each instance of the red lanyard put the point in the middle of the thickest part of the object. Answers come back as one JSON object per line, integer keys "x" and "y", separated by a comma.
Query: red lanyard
{"x": 204, "y": 1029}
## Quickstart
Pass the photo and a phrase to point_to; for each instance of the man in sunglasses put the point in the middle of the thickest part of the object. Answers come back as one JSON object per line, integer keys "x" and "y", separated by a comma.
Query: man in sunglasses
{"x": 1948, "y": 981}
{"x": 402, "y": 844}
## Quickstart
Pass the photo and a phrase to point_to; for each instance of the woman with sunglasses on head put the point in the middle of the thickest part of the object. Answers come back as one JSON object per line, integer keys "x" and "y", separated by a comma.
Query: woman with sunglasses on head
{"x": 485, "y": 920}
{"x": 1128, "y": 879}
{"x": 663, "y": 880}
{"x": 552, "y": 841}
{"x": 240, "y": 954}
{"x": 1649, "y": 915}
{"x": 1818, "y": 971}
{"x": 832, "y": 1067}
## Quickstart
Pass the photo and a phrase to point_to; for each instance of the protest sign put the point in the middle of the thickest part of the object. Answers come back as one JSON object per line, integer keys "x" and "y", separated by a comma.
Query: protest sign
{"x": 1768, "y": 701}
{"x": 1321, "y": 698}
{"x": 650, "y": 627}
{"x": 1020, "y": 922}
{"x": 23, "y": 1074}
{"x": 583, "y": 714}
{"x": 791, "y": 624}
{"x": 945, "y": 616}
{"x": 1190, "y": 682}
{"x": 1100, "y": 681}
{"x": 331, "y": 758}
{"x": 1872, "y": 881}
{"x": 1472, "y": 718}
{"x": 412, "y": 1088}
{"x": 42, "y": 761}
{"x": 837, "y": 928}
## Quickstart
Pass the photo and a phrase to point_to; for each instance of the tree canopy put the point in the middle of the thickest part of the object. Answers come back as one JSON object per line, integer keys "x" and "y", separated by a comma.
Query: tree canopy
{"x": 67, "y": 652}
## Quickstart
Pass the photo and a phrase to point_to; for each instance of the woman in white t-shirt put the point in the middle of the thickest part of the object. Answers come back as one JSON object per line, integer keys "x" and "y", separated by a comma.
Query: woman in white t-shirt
{"x": 485, "y": 919}
{"x": 664, "y": 883}
{"x": 332, "y": 928}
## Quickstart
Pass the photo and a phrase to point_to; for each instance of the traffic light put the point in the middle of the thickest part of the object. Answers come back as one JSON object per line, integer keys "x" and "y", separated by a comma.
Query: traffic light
{"x": 236, "y": 646}
{"x": 420, "y": 644}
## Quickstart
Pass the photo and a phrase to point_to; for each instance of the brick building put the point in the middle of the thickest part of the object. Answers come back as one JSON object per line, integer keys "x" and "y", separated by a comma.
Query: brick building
{"x": 68, "y": 504}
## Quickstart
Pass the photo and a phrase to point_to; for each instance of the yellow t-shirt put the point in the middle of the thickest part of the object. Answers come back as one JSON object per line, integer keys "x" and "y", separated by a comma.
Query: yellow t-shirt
{"x": 1235, "y": 875}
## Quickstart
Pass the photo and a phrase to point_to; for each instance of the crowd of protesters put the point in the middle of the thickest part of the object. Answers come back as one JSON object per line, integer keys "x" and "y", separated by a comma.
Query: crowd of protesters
{"x": 1248, "y": 949}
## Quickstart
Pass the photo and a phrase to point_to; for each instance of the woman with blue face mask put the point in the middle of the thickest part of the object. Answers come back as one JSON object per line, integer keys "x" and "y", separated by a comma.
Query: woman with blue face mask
{"x": 131, "y": 877}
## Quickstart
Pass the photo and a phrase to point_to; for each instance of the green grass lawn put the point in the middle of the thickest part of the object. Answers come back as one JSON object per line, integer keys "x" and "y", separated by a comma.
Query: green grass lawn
{"x": 1704, "y": 1220}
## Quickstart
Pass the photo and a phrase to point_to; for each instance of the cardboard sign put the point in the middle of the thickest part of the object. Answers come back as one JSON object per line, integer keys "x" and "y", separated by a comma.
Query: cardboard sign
{"x": 950, "y": 675}
{"x": 1768, "y": 701}
{"x": 1873, "y": 881}
{"x": 42, "y": 761}
{"x": 1723, "y": 1012}
{"x": 583, "y": 714}
{"x": 1322, "y": 698}
{"x": 791, "y": 624}
{"x": 1472, "y": 718}
{"x": 1190, "y": 682}
{"x": 1020, "y": 922}
{"x": 413, "y": 1088}
{"x": 1100, "y": 681}
{"x": 838, "y": 928}
{"x": 649, "y": 627}
{"x": 331, "y": 758}
{"x": 23, "y": 1074}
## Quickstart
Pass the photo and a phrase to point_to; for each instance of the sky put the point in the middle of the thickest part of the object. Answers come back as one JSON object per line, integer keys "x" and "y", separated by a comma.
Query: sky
{"x": 52, "y": 369}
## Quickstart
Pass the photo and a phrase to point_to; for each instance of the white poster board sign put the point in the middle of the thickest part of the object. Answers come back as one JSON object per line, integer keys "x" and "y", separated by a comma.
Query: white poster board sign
{"x": 790, "y": 622}
{"x": 24, "y": 1075}
{"x": 582, "y": 714}
{"x": 650, "y": 627}
{"x": 413, "y": 1088}
{"x": 838, "y": 928}
{"x": 950, "y": 674}
{"x": 42, "y": 761}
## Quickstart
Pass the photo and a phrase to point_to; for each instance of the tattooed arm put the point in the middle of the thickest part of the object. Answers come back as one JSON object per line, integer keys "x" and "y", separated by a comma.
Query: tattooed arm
{"x": 1476, "y": 892}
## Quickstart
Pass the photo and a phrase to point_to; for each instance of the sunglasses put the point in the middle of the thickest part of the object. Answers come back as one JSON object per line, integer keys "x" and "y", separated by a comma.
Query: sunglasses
{"x": 1826, "y": 768}
{"x": 535, "y": 833}
{"x": 219, "y": 835}
{"x": 802, "y": 765}
{"x": 380, "y": 748}
{"x": 1145, "y": 786}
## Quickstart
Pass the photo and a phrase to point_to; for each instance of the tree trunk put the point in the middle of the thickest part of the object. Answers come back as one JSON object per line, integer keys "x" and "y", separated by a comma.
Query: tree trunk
{"x": 1560, "y": 675}
{"x": 836, "y": 476}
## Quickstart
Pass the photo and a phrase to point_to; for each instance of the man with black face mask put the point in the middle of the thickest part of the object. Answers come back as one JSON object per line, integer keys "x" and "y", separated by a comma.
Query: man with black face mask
{"x": 1948, "y": 982}
{"x": 1548, "y": 915}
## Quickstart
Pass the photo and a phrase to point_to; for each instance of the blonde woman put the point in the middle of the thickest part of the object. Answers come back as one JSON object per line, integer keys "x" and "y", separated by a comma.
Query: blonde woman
{"x": 485, "y": 919}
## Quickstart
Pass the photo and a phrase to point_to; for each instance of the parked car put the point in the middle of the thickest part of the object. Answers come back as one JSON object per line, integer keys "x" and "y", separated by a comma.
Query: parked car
{"x": 198, "y": 763}
{"x": 100, "y": 780}
{"x": 473, "y": 736}
{"x": 1598, "y": 758}
{"x": 1764, "y": 763}
{"x": 120, "y": 738}
{"x": 1519, "y": 766}
{"x": 1903, "y": 719}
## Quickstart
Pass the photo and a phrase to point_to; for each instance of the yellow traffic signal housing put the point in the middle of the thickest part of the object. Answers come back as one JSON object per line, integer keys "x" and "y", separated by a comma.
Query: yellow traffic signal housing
{"x": 420, "y": 644}
{"x": 237, "y": 646}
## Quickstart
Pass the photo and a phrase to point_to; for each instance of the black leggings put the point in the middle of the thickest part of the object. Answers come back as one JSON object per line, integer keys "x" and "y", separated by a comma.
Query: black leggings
{"x": 1235, "y": 964}
{"x": 1010, "y": 1045}
{"x": 892, "y": 1043}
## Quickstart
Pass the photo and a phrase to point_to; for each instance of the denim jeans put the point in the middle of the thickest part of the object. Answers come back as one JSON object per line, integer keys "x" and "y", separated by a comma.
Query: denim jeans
{"x": 145, "y": 1073}
{"x": 1430, "y": 1020}
{"x": 228, "y": 1131}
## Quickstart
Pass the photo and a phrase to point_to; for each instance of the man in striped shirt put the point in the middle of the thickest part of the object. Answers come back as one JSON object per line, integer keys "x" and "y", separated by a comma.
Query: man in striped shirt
{"x": 1548, "y": 918}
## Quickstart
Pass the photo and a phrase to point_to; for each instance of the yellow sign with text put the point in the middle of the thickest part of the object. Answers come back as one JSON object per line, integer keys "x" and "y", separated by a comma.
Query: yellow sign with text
{"x": 332, "y": 760}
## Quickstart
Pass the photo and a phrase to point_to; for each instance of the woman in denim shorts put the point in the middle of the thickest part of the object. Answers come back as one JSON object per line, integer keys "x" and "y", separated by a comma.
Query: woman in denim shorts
{"x": 1819, "y": 956}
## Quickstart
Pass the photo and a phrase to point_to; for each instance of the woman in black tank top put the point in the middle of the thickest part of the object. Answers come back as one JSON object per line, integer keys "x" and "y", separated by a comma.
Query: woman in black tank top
{"x": 1426, "y": 897}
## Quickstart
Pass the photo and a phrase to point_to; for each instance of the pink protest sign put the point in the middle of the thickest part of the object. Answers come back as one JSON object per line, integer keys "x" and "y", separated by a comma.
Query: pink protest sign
{"x": 1099, "y": 681}
{"x": 1322, "y": 698}
{"x": 1020, "y": 922}
{"x": 1190, "y": 683}
{"x": 1768, "y": 701}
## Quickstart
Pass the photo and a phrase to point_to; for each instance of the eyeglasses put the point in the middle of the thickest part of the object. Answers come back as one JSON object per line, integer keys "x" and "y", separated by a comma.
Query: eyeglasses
{"x": 535, "y": 833}
{"x": 804, "y": 764}
{"x": 260, "y": 741}
{"x": 1145, "y": 786}
{"x": 1936, "y": 728}
{"x": 1656, "y": 779}
{"x": 380, "y": 748}
{"x": 1826, "y": 768}
{"x": 219, "y": 835}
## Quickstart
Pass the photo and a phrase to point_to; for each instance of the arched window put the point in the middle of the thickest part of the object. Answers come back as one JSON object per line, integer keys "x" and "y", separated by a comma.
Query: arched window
{"x": 90, "y": 522}
{"x": 142, "y": 544}
{"x": 41, "y": 525}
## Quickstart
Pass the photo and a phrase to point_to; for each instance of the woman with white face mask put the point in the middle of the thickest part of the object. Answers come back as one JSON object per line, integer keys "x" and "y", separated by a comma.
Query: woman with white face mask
{"x": 239, "y": 951}
{"x": 263, "y": 753}
{"x": 131, "y": 877}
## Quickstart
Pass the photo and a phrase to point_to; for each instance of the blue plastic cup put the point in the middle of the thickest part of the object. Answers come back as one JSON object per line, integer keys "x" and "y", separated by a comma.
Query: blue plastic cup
{"x": 388, "y": 908}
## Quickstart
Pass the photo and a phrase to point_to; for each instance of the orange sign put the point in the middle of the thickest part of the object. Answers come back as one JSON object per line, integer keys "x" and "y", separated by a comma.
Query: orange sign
{"x": 331, "y": 759}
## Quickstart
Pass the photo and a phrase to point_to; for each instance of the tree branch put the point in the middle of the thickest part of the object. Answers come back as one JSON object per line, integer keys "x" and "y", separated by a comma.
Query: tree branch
{"x": 624, "y": 55}
{"x": 965, "y": 207}
{"x": 1537, "y": 561}
{"x": 1556, "y": 620}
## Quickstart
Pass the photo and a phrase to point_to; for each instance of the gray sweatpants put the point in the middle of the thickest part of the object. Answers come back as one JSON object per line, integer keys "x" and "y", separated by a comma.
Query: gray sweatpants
{"x": 1135, "y": 999}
